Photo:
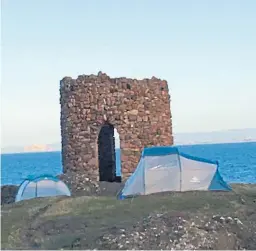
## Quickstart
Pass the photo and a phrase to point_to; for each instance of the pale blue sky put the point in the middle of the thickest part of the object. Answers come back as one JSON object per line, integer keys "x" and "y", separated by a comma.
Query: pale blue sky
{"x": 206, "y": 50}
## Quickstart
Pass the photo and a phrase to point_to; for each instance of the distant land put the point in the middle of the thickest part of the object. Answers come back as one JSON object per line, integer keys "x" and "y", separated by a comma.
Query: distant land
{"x": 227, "y": 136}
{"x": 32, "y": 148}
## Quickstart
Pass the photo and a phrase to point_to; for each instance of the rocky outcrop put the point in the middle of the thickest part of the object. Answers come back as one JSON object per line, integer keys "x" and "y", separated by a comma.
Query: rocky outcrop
{"x": 8, "y": 194}
{"x": 166, "y": 231}
{"x": 37, "y": 148}
{"x": 80, "y": 184}
{"x": 138, "y": 109}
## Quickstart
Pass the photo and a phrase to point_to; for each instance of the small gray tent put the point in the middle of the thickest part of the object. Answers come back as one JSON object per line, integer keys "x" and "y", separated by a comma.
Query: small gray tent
{"x": 42, "y": 186}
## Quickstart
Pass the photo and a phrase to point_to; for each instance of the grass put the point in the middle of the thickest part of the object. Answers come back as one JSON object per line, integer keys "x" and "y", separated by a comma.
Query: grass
{"x": 53, "y": 223}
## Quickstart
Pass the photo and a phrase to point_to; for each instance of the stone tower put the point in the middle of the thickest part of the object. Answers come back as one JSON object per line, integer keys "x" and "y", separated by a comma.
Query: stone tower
{"x": 138, "y": 109}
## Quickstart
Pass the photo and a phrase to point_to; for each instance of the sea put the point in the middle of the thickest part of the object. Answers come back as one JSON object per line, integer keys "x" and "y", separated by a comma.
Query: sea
{"x": 237, "y": 162}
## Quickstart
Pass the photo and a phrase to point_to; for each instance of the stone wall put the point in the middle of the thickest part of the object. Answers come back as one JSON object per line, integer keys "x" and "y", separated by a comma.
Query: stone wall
{"x": 138, "y": 109}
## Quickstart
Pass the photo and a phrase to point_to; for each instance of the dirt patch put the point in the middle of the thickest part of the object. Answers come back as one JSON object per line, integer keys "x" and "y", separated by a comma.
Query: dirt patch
{"x": 167, "y": 231}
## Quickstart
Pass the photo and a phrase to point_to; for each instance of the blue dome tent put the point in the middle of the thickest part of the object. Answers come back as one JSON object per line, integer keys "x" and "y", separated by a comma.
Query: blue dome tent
{"x": 164, "y": 168}
{"x": 42, "y": 186}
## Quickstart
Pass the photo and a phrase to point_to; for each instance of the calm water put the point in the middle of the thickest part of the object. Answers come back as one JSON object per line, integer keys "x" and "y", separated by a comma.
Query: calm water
{"x": 237, "y": 162}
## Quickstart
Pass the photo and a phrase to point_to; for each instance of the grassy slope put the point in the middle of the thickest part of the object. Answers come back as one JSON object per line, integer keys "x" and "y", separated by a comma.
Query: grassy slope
{"x": 55, "y": 223}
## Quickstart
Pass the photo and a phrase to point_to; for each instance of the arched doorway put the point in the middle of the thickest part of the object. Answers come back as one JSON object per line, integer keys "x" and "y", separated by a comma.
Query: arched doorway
{"x": 107, "y": 154}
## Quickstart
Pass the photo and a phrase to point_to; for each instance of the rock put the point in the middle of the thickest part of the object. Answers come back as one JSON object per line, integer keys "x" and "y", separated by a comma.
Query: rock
{"x": 8, "y": 193}
{"x": 229, "y": 219}
{"x": 133, "y": 112}
{"x": 238, "y": 221}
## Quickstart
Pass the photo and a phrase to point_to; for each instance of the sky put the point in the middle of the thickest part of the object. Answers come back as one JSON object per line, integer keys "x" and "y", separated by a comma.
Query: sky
{"x": 206, "y": 50}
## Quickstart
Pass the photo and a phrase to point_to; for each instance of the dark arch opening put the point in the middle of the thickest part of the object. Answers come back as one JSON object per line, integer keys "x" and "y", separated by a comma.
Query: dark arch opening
{"x": 107, "y": 154}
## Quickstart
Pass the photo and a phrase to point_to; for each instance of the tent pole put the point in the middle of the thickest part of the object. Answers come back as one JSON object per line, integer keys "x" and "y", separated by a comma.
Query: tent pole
{"x": 36, "y": 189}
{"x": 144, "y": 181}
{"x": 180, "y": 171}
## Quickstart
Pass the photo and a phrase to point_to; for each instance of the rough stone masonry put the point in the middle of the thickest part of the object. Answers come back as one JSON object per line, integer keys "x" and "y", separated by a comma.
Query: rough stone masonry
{"x": 138, "y": 109}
